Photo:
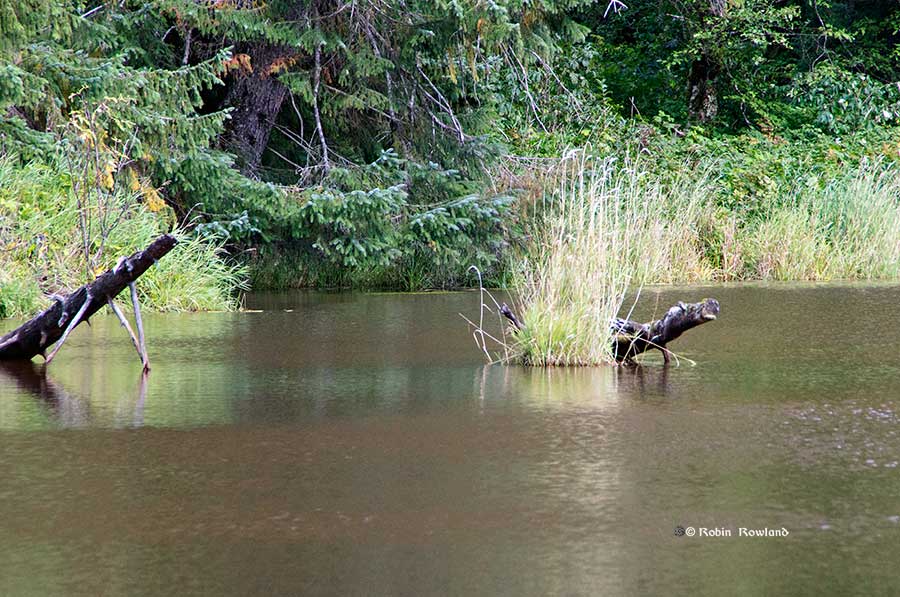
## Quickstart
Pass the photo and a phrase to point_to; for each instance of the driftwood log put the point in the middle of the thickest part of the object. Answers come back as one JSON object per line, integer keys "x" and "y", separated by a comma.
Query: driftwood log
{"x": 56, "y": 322}
{"x": 631, "y": 338}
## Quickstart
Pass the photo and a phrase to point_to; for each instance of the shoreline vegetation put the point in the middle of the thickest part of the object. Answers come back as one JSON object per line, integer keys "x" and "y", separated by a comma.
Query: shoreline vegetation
{"x": 568, "y": 154}
{"x": 594, "y": 227}
{"x": 614, "y": 225}
{"x": 672, "y": 229}
{"x": 44, "y": 246}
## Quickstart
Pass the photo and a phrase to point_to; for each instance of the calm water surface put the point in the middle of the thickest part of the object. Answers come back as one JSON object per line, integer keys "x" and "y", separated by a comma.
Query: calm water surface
{"x": 356, "y": 444}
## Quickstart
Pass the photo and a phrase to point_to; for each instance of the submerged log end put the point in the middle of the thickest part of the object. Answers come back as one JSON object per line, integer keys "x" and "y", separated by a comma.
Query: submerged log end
{"x": 507, "y": 313}
{"x": 632, "y": 338}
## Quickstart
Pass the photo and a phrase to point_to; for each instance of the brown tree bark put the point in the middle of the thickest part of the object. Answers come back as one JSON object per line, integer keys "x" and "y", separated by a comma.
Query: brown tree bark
{"x": 255, "y": 98}
{"x": 35, "y": 336}
{"x": 703, "y": 102}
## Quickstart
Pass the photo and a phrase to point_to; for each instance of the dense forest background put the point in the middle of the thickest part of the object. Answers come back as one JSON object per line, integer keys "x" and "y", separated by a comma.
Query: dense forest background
{"x": 394, "y": 143}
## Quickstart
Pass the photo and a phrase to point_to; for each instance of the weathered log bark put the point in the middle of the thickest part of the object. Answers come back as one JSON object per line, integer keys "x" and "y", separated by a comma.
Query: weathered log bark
{"x": 38, "y": 334}
{"x": 632, "y": 338}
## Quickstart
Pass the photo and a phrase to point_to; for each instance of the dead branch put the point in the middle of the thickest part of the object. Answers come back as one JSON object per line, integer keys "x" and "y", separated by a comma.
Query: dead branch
{"x": 57, "y": 322}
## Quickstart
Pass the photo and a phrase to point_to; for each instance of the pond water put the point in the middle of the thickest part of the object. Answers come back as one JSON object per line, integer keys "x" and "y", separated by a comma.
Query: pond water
{"x": 357, "y": 444}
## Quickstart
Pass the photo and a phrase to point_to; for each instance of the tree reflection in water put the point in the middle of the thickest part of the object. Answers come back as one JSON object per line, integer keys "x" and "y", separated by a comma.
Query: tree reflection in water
{"x": 66, "y": 408}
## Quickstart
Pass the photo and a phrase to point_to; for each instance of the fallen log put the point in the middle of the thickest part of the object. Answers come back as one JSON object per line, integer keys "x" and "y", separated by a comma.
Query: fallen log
{"x": 631, "y": 338}
{"x": 57, "y": 322}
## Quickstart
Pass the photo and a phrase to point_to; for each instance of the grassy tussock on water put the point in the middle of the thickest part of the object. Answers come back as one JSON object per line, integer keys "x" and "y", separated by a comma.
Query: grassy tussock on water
{"x": 43, "y": 248}
{"x": 613, "y": 225}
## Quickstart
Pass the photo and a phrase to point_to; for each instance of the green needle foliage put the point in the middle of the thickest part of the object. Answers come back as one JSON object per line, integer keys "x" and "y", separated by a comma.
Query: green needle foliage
{"x": 393, "y": 144}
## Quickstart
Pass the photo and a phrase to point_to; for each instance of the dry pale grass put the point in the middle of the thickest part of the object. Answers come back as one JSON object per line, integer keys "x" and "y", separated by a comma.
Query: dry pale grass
{"x": 609, "y": 227}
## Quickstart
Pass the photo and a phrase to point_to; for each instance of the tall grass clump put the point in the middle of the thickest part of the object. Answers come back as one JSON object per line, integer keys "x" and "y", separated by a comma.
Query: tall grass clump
{"x": 610, "y": 226}
{"x": 844, "y": 228}
{"x": 19, "y": 294}
{"x": 193, "y": 277}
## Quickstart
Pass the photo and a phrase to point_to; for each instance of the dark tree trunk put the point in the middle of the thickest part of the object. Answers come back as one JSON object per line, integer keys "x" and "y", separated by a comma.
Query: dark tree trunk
{"x": 256, "y": 100}
{"x": 41, "y": 332}
{"x": 703, "y": 103}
